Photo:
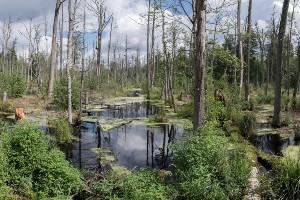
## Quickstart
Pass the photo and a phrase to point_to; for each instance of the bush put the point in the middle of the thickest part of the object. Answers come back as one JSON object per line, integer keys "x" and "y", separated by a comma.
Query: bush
{"x": 7, "y": 107}
{"x": 34, "y": 169}
{"x": 186, "y": 111}
{"x": 206, "y": 170}
{"x": 247, "y": 124}
{"x": 265, "y": 99}
{"x": 16, "y": 86}
{"x": 62, "y": 129}
{"x": 297, "y": 132}
{"x": 142, "y": 184}
{"x": 60, "y": 95}
{"x": 286, "y": 180}
{"x": 214, "y": 109}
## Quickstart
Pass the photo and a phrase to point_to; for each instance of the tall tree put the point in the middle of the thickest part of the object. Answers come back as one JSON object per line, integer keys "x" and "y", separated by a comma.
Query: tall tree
{"x": 240, "y": 41}
{"x": 278, "y": 79}
{"x": 53, "y": 49}
{"x": 247, "y": 82}
{"x": 148, "y": 52}
{"x": 199, "y": 64}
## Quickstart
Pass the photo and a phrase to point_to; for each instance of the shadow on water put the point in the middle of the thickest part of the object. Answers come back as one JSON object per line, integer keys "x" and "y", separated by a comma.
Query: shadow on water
{"x": 133, "y": 146}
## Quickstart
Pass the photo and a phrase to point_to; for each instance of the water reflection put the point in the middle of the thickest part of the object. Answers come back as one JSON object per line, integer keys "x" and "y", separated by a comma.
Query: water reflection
{"x": 271, "y": 143}
{"x": 133, "y": 146}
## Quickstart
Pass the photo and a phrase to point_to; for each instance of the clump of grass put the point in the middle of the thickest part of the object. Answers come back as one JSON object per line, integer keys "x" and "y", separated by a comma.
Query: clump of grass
{"x": 7, "y": 106}
{"x": 161, "y": 117}
{"x": 286, "y": 120}
{"x": 265, "y": 99}
{"x": 286, "y": 180}
{"x": 247, "y": 124}
{"x": 62, "y": 130}
{"x": 297, "y": 132}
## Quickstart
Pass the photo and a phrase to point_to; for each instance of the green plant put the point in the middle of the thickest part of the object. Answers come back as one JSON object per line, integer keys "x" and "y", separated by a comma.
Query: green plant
{"x": 286, "y": 103}
{"x": 247, "y": 124}
{"x": 214, "y": 109}
{"x": 34, "y": 168}
{"x": 286, "y": 180}
{"x": 186, "y": 111}
{"x": 62, "y": 129}
{"x": 286, "y": 120}
{"x": 297, "y": 132}
{"x": 205, "y": 168}
{"x": 60, "y": 97}
{"x": 7, "y": 106}
{"x": 265, "y": 99}
{"x": 16, "y": 86}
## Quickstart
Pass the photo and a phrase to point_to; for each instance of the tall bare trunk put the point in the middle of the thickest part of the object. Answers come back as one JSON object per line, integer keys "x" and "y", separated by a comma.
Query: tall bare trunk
{"x": 70, "y": 60}
{"x": 240, "y": 42}
{"x": 148, "y": 49}
{"x": 199, "y": 99}
{"x": 53, "y": 50}
{"x": 108, "y": 54}
{"x": 277, "y": 102}
{"x": 247, "y": 91}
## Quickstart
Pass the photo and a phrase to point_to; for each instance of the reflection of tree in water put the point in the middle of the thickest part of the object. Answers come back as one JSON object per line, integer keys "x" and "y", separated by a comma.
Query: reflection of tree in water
{"x": 163, "y": 154}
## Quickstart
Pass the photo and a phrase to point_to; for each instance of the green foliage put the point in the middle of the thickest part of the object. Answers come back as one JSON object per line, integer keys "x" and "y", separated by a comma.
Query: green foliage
{"x": 206, "y": 169}
{"x": 60, "y": 95}
{"x": 285, "y": 183}
{"x": 14, "y": 85}
{"x": 34, "y": 169}
{"x": 286, "y": 120}
{"x": 142, "y": 184}
{"x": 160, "y": 117}
{"x": 297, "y": 132}
{"x": 186, "y": 111}
{"x": 214, "y": 109}
{"x": 62, "y": 129}
{"x": 265, "y": 99}
{"x": 224, "y": 61}
{"x": 7, "y": 106}
{"x": 286, "y": 103}
{"x": 295, "y": 104}
{"x": 247, "y": 124}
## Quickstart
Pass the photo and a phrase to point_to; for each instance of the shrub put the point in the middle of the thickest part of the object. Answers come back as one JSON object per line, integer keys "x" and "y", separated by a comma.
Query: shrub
{"x": 206, "y": 170}
{"x": 142, "y": 184}
{"x": 62, "y": 129}
{"x": 7, "y": 107}
{"x": 286, "y": 180}
{"x": 286, "y": 103}
{"x": 297, "y": 132}
{"x": 16, "y": 86}
{"x": 186, "y": 111}
{"x": 34, "y": 169}
{"x": 60, "y": 97}
{"x": 265, "y": 99}
{"x": 214, "y": 109}
{"x": 247, "y": 124}
{"x": 286, "y": 120}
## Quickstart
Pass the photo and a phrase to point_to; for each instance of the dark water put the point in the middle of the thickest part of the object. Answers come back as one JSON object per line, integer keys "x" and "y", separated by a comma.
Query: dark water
{"x": 133, "y": 146}
{"x": 271, "y": 143}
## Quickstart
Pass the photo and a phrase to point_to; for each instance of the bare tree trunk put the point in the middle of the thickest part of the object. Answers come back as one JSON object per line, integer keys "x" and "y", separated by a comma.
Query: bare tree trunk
{"x": 70, "y": 60}
{"x": 82, "y": 65}
{"x": 61, "y": 40}
{"x": 240, "y": 42}
{"x": 148, "y": 52}
{"x": 298, "y": 75}
{"x": 247, "y": 82}
{"x": 199, "y": 99}
{"x": 289, "y": 49}
{"x": 152, "y": 44}
{"x": 277, "y": 101}
{"x": 53, "y": 50}
{"x": 108, "y": 54}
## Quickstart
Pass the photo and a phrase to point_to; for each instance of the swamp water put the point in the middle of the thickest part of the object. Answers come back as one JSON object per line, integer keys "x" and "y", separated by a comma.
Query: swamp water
{"x": 133, "y": 145}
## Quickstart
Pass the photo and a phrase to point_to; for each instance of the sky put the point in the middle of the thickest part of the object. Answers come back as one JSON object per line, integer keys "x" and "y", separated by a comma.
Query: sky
{"x": 127, "y": 17}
